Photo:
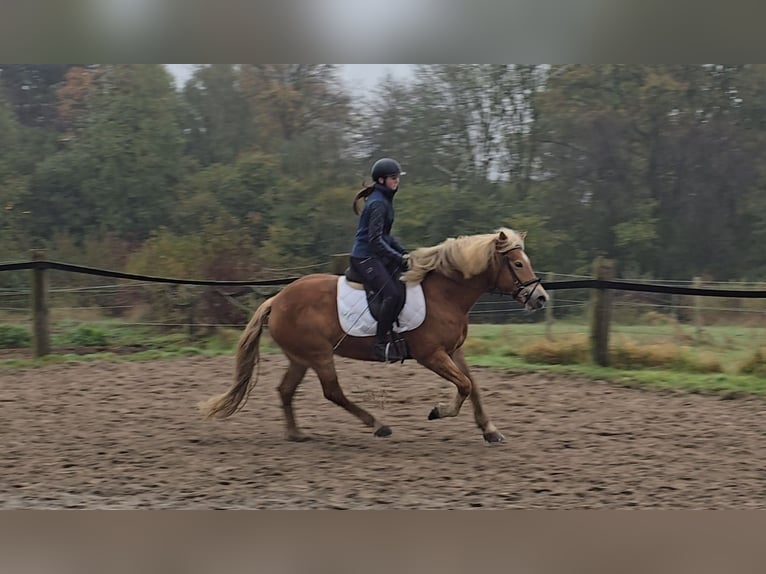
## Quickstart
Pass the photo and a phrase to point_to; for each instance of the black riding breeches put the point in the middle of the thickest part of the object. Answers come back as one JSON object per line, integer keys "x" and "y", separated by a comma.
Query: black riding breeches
{"x": 376, "y": 276}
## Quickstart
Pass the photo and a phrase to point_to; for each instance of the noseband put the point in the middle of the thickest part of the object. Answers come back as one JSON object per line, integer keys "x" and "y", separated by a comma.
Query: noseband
{"x": 518, "y": 284}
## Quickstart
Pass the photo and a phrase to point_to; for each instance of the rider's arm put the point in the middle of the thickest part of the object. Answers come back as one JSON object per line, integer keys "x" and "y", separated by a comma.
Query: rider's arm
{"x": 379, "y": 246}
{"x": 397, "y": 246}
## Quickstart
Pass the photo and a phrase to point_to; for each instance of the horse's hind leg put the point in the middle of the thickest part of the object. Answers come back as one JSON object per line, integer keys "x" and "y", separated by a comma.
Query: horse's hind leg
{"x": 290, "y": 381}
{"x": 490, "y": 432}
{"x": 332, "y": 392}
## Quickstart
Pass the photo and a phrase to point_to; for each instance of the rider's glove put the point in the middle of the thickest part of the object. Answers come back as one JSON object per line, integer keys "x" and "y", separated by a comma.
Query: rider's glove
{"x": 404, "y": 263}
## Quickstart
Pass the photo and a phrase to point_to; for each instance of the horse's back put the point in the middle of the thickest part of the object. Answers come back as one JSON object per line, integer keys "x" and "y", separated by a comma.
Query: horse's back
{"x": 317, "y": 283}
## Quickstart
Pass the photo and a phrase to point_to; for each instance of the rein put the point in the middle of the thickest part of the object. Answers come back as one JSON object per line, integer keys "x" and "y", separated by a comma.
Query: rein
{"x": 517, "y": 282}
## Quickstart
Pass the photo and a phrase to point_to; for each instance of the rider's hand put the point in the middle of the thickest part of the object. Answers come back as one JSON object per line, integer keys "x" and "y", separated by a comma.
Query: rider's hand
{"x": 404, "y": 263}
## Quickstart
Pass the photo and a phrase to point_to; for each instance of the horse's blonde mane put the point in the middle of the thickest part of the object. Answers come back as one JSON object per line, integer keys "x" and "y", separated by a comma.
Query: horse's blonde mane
{"x": 468, "y": 255}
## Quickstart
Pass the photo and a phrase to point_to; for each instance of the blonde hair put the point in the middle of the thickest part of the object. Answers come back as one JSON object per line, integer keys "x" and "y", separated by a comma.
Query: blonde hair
{"x": 468, "y": 255}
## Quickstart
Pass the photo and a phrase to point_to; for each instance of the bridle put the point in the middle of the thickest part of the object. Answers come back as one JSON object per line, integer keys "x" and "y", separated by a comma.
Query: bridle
{"x": 518, "y": 284}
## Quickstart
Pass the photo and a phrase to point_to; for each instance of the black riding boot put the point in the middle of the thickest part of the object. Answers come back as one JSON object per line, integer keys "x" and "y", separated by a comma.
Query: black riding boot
{"x": 386, "y": 349}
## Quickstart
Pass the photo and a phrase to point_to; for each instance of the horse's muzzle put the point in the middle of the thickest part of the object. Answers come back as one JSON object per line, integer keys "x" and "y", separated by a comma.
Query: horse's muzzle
{"x": 536, "y": 298}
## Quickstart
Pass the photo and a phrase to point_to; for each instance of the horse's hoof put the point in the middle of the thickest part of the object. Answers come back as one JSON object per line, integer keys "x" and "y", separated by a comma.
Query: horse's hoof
{"x": 494, "y": 437}
{"x": 383, "y": 431}
{"x": 434, "y": 414}
{"x": 298, "y": 437}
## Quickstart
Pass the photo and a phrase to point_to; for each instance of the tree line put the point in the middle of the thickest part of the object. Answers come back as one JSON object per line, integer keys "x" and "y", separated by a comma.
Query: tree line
{"x": 253, "y": 167}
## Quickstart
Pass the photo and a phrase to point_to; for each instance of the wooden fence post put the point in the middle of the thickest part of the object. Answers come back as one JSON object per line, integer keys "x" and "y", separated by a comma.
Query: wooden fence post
{"x": 338, "y": 263}
{"x": 41, "y": 345}
{"x": 698, "y": 303}
{"x": 601, "y": 308}
{"x": 549, "y": 310}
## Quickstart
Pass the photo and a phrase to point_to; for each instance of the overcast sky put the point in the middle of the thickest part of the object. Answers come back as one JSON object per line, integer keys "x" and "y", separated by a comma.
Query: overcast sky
{"x": 358, "y": 77}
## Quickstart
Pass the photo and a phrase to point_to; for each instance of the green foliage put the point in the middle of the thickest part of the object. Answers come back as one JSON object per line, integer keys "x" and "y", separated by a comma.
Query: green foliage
{"x": 223, "y": 340}
{"x": 15, "y": 242}
{"x": 8, "y": 139}
{"x": 307, "y": 225}
{"x": 301, "y": 112}
{"x": 417, "y": 223}
{"x": 245, "y": 192}
{"x": 119, "y": 170}
{"x": 637, "y": 170}
{"x": 31, "y": 90}
{"x": 656, "y": 347}
{"x": 476, "y": 346}
{"x": 629, "y": 355}
{"x": 133, "y": 148}
{"x": 217, "y": 251}
{"x": 755, "y": 364}
{"x": 55, "y": 190}
{"x": 14, "y": 337}
{"x": 625, "y": 354}
{"x": 216, "y": 115}
{"x": 657, "y": 166}
{"x": 571, "y": 351}
{"x": 87, "y": 336}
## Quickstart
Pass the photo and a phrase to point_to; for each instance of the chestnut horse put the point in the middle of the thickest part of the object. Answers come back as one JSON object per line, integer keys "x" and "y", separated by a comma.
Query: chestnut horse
{"x": 303, "y": 321}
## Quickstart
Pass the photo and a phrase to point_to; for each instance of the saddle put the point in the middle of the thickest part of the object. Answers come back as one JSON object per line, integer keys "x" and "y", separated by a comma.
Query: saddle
{"x": 356, "y": 281}
{"x": 354, "y": 315}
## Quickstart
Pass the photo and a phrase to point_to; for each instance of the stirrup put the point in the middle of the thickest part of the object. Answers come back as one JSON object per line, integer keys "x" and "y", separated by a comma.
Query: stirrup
{"x": 387, "y": 352}
{"x": 391, "y": 351}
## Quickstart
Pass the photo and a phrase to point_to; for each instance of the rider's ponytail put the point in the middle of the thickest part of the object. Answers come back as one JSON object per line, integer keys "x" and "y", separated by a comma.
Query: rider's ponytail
{"x": 363, "y": 193}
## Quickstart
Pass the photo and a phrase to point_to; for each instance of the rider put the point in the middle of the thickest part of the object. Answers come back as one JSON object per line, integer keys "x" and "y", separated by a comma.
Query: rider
{"x": 377, "y": 256}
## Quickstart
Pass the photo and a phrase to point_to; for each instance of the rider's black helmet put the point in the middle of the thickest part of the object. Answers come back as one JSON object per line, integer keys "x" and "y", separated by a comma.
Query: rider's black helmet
{"x": 385, "y": 167}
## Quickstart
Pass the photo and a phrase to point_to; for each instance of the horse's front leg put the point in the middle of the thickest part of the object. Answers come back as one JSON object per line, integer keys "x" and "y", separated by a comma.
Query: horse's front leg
{"x": 488, "y": 429}
{"x": 443, "y": 365}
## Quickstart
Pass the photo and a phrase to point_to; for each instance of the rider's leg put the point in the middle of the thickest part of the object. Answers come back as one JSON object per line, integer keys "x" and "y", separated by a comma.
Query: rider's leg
{"x": 378, "y": 278}
{"x": 385, "y": 349}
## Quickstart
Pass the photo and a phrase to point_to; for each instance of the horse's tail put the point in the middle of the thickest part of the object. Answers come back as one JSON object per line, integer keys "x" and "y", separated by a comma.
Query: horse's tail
{"x": 227, "y": 404}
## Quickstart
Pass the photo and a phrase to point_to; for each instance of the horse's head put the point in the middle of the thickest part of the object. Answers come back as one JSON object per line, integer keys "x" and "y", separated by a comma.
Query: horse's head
{"x": 515, "y": 275}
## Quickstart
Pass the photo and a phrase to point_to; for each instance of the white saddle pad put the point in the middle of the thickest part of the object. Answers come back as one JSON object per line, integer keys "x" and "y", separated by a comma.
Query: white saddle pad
{"x": 356, "y": 320}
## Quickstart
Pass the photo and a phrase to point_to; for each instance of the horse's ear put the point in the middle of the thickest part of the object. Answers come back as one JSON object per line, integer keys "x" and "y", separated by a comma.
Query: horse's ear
{"x": 501, "y": 241}
{"x": 522, "y": 234}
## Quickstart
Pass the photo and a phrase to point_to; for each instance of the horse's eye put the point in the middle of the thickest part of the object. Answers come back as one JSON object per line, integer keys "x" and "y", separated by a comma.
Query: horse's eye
{"x": 519, "y": 264}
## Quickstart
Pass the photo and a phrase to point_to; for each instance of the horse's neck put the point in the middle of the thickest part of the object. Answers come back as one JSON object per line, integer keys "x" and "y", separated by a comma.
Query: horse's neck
{"x": 462, "y": 293}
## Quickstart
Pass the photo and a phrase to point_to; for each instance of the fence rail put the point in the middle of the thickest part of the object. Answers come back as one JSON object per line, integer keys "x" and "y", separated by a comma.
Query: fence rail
{"x": 44, "y": 265}
{"x": 601, "y": 286}
{"x": 615, "y": 284}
